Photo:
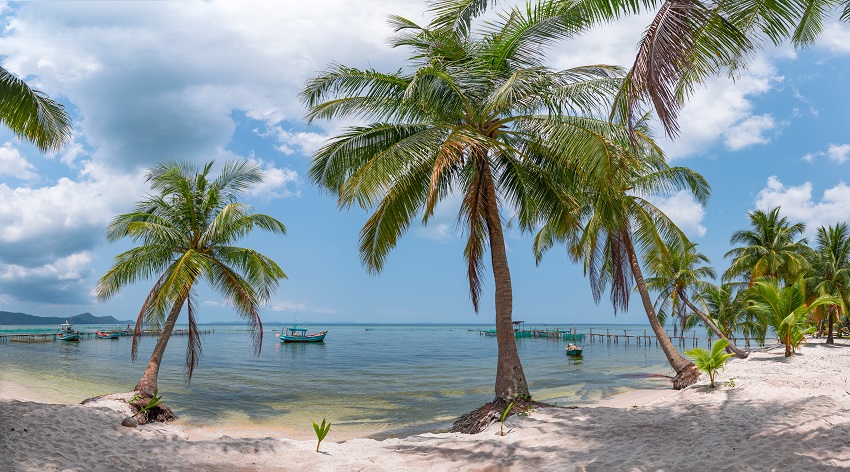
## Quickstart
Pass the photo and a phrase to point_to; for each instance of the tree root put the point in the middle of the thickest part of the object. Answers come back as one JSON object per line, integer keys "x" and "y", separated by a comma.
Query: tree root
{"x": 156, "y": 414}
{"x": 685, "y": 378}
{"x": 478, "y": 420}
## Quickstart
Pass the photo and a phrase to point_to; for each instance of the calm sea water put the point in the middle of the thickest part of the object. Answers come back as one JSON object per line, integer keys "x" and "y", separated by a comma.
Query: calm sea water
{"x": 379, "y": 378}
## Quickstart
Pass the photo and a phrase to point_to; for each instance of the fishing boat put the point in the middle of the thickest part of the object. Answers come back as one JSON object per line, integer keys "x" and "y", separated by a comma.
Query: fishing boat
{"x": 108, "y": 334}
{"x": 67, "y": 333}
{"x": 573, "y": 350}
{"x": 299, "y": 335}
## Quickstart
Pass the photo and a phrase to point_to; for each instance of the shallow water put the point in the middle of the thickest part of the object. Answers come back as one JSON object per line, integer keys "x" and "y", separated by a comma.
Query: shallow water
{"x": 376, "y": 378}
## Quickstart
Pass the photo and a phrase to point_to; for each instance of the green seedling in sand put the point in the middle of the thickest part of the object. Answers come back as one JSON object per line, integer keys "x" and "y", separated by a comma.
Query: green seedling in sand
{"x": 502, "y": 419}
{"x": 155, "y": 400}
{"x": 729, "y": 383}
{"x": 321, "y": 431}
{"x": 134, "y": 398}
{"x": 710, "y": 362}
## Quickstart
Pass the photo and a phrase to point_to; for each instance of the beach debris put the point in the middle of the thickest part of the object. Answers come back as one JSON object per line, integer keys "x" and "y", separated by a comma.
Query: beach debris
{"x": 130, "y": 422}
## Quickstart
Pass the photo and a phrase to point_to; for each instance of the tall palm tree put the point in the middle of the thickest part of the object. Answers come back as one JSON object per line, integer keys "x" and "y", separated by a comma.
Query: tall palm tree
{"x": 32, "y": 115}
{"x": 676, "y": 271}
{"x": 771, "y": 248}
{"x": 187, "y": 230}
{"x": 830, "y": 273}
{"x": 619, "y": 223}
{"x": 475, "y": 113}
{"x": 784, "y": 308}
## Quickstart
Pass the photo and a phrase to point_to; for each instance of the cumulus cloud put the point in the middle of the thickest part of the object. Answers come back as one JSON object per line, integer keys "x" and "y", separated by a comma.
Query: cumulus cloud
{"x": 59, "y": 281}
{"x": 837, "y": 153}
{"x": 303, "y": 142}
{"x": 275, "y": 181}
{"x": 288, "y": 305}
{"x": 797, "y": 203}
{"x": 748, "y": 132}
{"x": 722, "y": 110}
{"x": 835, "y": 38}
{"x": 686, "y": 212}
{"x": 13, "y": 164}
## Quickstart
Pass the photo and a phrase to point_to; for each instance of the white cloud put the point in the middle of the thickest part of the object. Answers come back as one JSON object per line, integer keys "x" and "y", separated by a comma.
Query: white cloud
{"x": 295, "y": 141}
{"x": 14, "y": 164}
{"x": 748, "y": 132}
{"x": 797, "y": 204}
{"x": 287, "y": 305}
{"x": 686, "y": 212}
{"x": 436, "y": 231}
{"x": 837, "y": 153}
{"x": 60, "y": 281}
{"x": 275, "y": 181}
{"x": 723, "y": 110}
{"x": 835, "y": 38}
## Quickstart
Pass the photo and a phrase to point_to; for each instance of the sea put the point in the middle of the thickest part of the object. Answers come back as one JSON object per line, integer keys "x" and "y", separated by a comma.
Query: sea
{"x": 381, "y": 380}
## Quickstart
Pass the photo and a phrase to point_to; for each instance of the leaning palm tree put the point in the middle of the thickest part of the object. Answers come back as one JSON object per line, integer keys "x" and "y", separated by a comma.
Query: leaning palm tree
{"x": 771, "y": 248}
{"x": 619, "y": 223}
{"x": 676, "y": 271}
{"x": 830, "y": 273}
{"x": 187, "y": 230}
{"x": 32, "y": 115}
{"x": 478, "y": 114}
{"x": 784, "y": 308}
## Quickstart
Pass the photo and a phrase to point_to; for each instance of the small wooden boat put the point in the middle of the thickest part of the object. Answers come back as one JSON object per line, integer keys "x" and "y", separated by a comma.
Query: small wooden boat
{"x": 573, "y": 350}
{"x": 67, "y": 333}
{"x": 299, "y": 335}
{"x": 107, "y": 334}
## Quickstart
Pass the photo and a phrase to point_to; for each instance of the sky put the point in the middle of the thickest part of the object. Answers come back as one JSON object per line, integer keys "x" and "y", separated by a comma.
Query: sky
{"x": 196, "y": 81}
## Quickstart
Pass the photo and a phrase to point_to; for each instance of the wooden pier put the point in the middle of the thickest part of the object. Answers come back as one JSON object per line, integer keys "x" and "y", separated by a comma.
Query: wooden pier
{"x": 6, "y": 338}
{"x": 611, "y": 336}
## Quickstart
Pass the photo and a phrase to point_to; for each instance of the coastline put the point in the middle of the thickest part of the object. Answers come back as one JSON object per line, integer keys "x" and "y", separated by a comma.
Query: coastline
{"x": 781, "y": 414}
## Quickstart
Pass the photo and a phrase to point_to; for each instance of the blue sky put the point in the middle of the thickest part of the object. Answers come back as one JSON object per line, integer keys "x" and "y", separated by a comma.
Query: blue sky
{"x": 195, "y": 81}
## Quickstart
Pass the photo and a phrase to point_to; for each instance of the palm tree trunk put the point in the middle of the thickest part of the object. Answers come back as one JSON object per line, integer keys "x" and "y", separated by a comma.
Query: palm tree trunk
{"x": 147, "y": 386}
{"x": 686, "y": 372}
{"x": 739, "y": 353}
{"x": 831, "y": 321}
{"x": 510, "y": 378}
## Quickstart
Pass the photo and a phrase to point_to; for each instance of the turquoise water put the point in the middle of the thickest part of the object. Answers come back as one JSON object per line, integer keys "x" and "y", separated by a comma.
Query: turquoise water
{"x": 376, "y": 378}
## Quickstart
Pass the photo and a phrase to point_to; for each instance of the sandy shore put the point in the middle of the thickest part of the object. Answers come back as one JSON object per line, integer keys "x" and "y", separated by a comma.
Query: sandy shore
{"x": 781, "y": 414}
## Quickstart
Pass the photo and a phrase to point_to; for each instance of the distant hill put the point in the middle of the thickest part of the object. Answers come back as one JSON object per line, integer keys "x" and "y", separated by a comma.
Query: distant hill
{"x": 10, "y": 318}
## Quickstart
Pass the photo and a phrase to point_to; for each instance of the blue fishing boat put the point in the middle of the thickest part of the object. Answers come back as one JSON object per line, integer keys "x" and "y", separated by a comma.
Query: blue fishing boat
{"x": 67, "y": 333}
{"x": 299, "y": 335}
{"x": 573, "y": 350}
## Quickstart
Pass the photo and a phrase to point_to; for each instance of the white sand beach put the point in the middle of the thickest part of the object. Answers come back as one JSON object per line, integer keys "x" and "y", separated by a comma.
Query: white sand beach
{"x": 782, "y": 414}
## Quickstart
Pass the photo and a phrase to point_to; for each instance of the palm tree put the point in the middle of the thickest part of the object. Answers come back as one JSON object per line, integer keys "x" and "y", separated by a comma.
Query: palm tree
{"x": 725, "y": 305}
{"x": 186, "y": 232}
{"x": 785, "y": 309}
{"x": 618, "y": 221}
{"x": 32, "y": 115}
{"x": 676, "y": 271}
{"x": 771, "y": 248}
{"x": 830, "y": 272}
{"x": 476, "y": 114}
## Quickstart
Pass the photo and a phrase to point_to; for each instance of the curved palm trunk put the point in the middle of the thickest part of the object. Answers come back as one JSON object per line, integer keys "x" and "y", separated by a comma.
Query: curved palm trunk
{"x": 147, "y": 386}
{"x": 739, "y": 353}
{"x": 686, "y": 372}
{"x": 510, "y": 378}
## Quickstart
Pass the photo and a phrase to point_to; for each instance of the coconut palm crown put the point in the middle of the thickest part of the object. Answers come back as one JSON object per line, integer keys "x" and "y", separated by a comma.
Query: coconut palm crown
{"x": 186, "y": 231}
{"x": 475, "y": 113}
{"x": 32, "y": 115}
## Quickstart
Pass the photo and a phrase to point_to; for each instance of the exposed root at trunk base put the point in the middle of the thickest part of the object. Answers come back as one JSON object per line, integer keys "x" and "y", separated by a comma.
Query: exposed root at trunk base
{"x": 156, "y": 414}
{"x": 687, "y": 377}
{"x": 478, "y": 420}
